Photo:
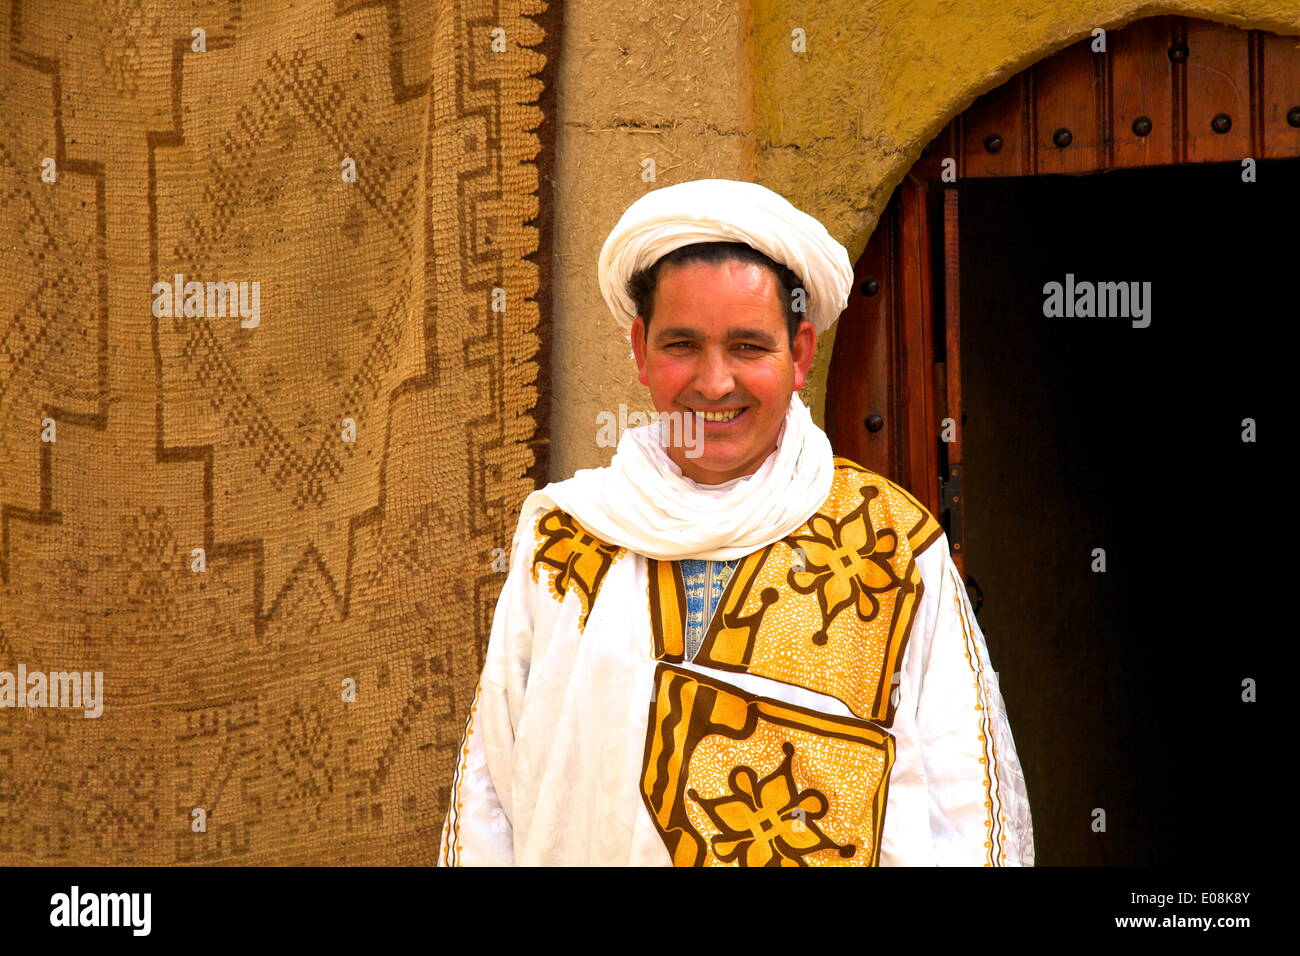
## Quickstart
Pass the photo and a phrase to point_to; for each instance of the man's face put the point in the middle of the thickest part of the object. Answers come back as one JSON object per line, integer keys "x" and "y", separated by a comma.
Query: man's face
{"x": 718, "y": 342}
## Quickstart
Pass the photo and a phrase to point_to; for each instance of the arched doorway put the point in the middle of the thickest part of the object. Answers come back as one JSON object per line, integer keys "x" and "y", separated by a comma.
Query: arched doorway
{"x": 1049, "y": 444}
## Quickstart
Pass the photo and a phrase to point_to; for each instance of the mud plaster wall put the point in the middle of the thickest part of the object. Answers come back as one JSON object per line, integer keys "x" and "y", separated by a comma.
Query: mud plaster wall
{"x": 713, "y": 89}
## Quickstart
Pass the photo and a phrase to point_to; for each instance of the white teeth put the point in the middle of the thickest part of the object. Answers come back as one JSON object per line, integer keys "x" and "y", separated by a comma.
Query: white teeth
{"x": 721, "y": 416}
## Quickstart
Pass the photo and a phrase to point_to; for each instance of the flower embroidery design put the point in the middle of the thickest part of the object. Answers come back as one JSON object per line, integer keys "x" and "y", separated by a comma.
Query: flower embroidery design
{"x": 768, "y": 822}
{"x": 847, "y": 563}
{"x": 577, "y": 559}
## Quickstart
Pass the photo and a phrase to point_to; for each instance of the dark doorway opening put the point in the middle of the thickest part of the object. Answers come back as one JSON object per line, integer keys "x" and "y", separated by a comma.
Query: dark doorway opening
{"x": 1124, "y": 688}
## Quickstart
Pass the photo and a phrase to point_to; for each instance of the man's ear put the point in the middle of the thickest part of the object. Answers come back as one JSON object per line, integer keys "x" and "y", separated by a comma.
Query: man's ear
{"x": 638, "y": 336}
{"x": 802, "y": 352}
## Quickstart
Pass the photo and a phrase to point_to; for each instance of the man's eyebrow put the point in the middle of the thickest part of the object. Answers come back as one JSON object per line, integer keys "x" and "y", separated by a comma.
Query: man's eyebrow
{"x": 685, "y": 332}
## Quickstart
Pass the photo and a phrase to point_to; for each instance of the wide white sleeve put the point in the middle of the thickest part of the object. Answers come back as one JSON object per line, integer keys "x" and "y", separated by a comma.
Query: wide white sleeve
{"x": 979, "y": 806}
{"x": 477, "y": 830}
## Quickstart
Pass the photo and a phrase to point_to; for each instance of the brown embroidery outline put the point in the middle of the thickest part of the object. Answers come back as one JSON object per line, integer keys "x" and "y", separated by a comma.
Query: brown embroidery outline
{"x": 574, "y": 558}
{"x": 680, "y": 716}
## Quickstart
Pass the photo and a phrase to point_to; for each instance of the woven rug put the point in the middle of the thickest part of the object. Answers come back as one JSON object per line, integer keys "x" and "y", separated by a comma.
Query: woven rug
{"x": 270, "y": 393}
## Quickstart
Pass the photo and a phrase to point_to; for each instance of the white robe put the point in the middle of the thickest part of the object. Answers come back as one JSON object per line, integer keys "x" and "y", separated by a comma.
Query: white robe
{"x": 554, "y": 754}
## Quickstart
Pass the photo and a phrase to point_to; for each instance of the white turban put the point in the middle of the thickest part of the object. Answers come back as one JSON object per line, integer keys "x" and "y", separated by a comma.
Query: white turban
{"x": 725, "y": 210}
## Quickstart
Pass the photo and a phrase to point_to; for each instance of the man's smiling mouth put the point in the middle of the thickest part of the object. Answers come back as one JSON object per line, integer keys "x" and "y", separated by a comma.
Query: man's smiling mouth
{"x": 722, "y": 415}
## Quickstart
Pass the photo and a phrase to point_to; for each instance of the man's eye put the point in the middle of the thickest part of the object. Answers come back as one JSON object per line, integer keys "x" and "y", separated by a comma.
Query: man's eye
{"x": 746, "y": 345}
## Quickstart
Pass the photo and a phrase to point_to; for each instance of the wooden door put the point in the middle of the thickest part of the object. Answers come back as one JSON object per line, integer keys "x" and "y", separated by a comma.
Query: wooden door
{"x": 1164, "y": 91}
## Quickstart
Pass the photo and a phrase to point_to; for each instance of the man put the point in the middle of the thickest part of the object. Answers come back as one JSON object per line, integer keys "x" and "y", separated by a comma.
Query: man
{"x": 747, "y": 653}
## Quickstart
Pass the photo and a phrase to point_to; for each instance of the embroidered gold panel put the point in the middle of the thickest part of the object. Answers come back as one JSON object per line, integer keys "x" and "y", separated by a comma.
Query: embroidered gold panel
{"x": 828, "y": 608}
{"x": 731, "y": 779}
{"x": 575, "y": 560}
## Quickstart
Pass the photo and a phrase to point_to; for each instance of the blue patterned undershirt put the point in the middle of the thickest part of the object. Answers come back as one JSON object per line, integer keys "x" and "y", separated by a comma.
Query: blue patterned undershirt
{"x": 694, "y": 574}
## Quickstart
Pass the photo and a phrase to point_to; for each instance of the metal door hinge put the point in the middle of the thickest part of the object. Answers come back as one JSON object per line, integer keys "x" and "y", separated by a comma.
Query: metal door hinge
{"x": 951, "y": 501}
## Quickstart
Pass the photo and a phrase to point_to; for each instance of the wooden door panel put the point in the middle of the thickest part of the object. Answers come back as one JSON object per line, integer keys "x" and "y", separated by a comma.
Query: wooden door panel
{"x": 994, "y": 133}
{"x": 920, "y": 432}
{"x": 1280, "y": 95}
{"x": 1178, "y": 74}
{"x": 1218, "y": 85}
{"x": 1141, "y": 83}
{"x": 1067, "y": 95}
{"x": 883, "y": 408}
{"x": 950, "y": 374}
{"x": 862, "y": 411}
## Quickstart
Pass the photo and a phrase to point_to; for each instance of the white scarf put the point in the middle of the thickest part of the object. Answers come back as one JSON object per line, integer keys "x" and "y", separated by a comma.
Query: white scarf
{"x": 643, "y": 502}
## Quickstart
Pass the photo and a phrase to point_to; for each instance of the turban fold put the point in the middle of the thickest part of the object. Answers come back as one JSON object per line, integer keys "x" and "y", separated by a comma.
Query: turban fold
{"x": 725, "y": 210}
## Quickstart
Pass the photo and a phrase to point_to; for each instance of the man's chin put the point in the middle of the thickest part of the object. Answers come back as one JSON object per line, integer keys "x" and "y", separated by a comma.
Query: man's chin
{"x": 714, "y": 470}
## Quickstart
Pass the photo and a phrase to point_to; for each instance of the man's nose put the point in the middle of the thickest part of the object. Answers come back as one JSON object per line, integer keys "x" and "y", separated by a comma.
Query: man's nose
{"x": 714, "y": 379}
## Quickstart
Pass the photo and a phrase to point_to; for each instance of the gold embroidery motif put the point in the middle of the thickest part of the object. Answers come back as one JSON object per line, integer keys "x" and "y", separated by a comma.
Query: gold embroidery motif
{"x": 985, "y": 723}
{"x": 771, "y": 821}
{"x": 821, "y": 803}
{"x": 667, "y": 592}
{"x": 829, "y": 607}
{"x": 574, "y": 559}
{"x": 847, "y": 563}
